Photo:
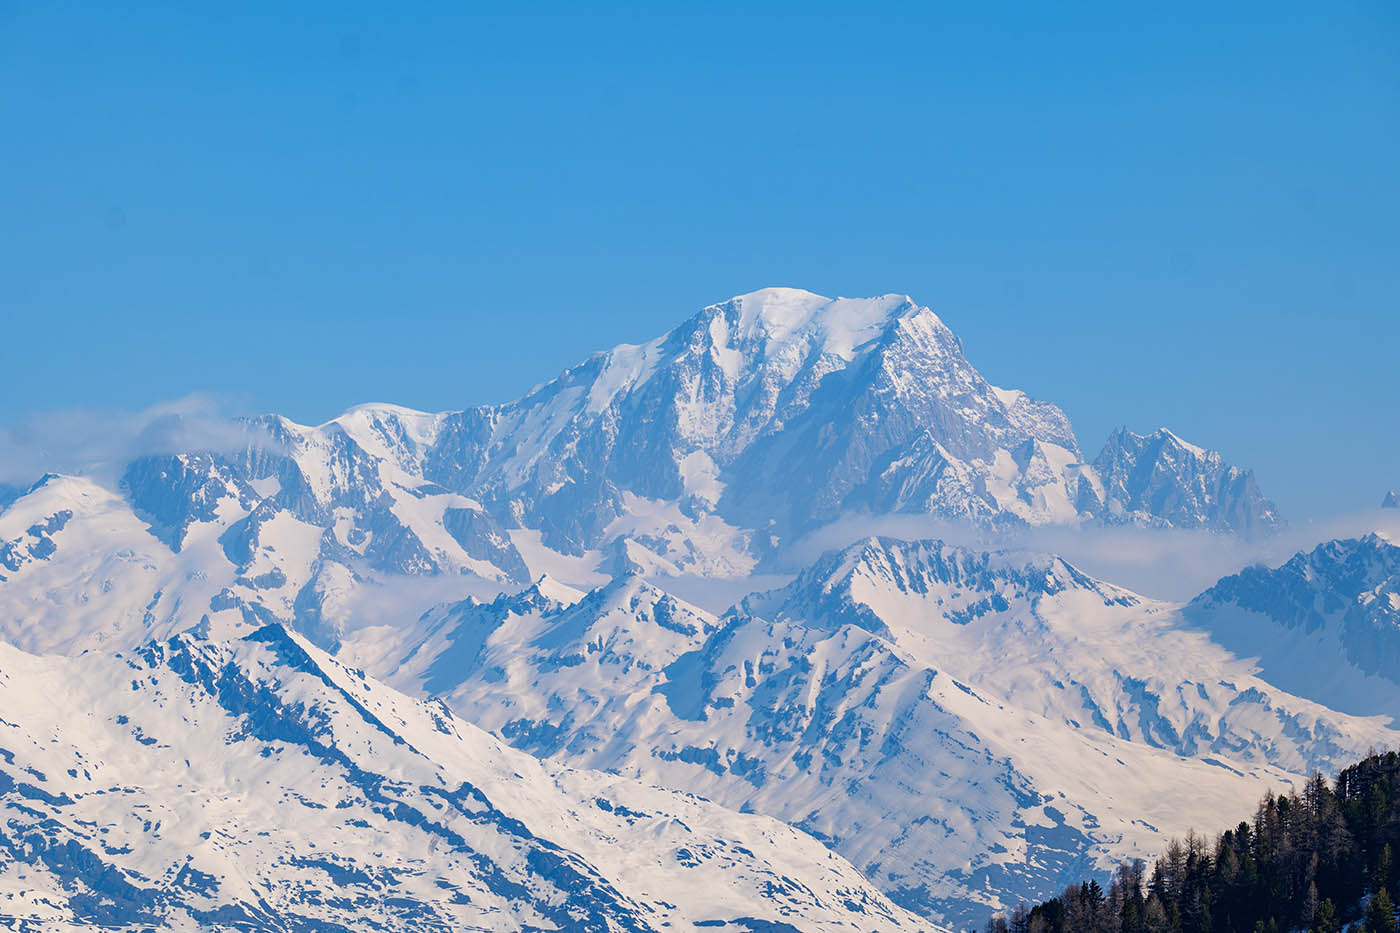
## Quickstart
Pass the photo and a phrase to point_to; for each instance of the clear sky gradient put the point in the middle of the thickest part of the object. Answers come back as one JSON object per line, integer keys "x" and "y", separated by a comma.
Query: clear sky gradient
{"x": 1184, "y": 216}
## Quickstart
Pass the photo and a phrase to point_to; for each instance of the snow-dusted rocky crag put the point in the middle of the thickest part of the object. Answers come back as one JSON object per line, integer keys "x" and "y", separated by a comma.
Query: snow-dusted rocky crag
{"x": 1160, "y": 480}
{"x": 260, "y": 785}
{"x": 706, "y": 451}
{"x": 967, "y": 728}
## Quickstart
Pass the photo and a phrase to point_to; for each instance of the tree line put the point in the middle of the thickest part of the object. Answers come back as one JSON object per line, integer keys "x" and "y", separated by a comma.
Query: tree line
{"x": 1318, "y": 860}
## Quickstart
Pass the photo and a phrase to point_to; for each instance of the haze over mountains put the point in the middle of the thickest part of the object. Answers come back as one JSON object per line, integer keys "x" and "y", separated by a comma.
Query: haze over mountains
{"x": 945, "y": 730}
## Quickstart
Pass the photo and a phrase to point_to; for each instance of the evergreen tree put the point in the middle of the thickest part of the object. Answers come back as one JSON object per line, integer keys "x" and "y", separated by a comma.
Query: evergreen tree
{"x": 1380, "y": 916}
{"x": 1310, "y": 905}
{"x": 1155, "y": 917}
{"x": 1326, "y": 920}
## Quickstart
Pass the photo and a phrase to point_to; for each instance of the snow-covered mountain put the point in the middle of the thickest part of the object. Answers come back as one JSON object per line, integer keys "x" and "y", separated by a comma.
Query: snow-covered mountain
{"x": 1326, "y": 624}
{"x": 258, "y": 784}
{"x": 1161, "y": 480}
{"x": 703, "y": 452}
{"x": 966, "y": 728}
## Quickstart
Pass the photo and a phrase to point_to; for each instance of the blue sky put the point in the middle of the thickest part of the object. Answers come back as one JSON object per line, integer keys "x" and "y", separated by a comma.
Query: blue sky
{"x": 1186, "y": 216}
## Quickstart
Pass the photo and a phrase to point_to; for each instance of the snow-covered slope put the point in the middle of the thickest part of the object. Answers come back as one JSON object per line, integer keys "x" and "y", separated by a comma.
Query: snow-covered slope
{"x": 1325, "y": 624}
{"x": 968, "y": 729}
{"x": 258, "y": 784}
{"x": 79, "y": 569}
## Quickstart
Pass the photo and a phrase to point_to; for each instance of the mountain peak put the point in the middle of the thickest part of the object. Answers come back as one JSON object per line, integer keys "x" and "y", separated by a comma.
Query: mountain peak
{"x": 1176, "y": 439}
{"x": 860, "y": 584}
{"x": 555, "y": 590}
{"x": 778, "y": 314}
{"x": 914, "y": 564}
{"x": 63, "y": 490}
{"x": 1391, "y": 500}
{"x": 1332, "y": 577}
{"x": 1162, "y": 437}
{"x": 1159, "y": 479}
{"x": 777, "y": 294}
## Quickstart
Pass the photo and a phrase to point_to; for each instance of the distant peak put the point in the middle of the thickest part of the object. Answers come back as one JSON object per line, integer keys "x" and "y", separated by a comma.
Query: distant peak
{"x": 66, "y": 485}
{"x": 383, "y": 410}
{"x": 1167, "y": 435}
{"x": 1338, "y": 549}
{"x": 1193, "y": 448}
{"x": 1391, "y": 500}
{"x": 557, "y": 591}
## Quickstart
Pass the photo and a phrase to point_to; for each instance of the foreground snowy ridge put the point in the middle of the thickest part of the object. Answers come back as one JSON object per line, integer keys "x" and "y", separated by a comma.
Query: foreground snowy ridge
{"x": 260, "y": 785}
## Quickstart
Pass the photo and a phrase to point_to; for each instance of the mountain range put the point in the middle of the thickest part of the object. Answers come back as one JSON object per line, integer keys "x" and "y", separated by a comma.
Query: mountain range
{"x": 707, "y": 452}
{"x": 466, "y": 627}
